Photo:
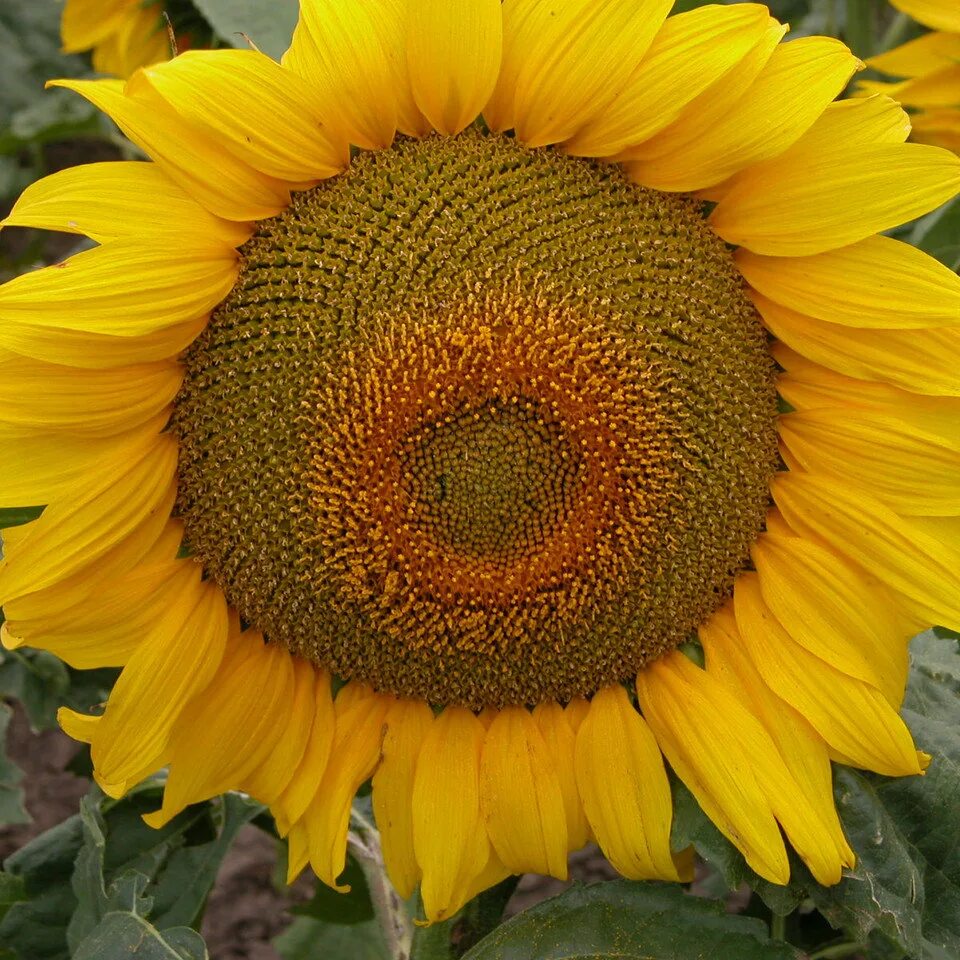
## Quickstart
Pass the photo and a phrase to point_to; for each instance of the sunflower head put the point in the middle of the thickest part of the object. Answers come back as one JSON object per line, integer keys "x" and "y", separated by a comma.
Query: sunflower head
{"x": 442, "y": 358}
{"x": 497, "y": 480}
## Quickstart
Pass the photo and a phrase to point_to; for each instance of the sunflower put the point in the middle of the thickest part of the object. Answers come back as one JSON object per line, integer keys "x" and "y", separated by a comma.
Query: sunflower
{"x": 930, "y": 66}
{"x": 422, "y": 462}
{"x": 123, "y": 34}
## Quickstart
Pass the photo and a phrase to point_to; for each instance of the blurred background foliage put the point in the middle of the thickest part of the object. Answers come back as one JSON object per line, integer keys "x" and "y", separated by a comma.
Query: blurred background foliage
{"x": 100, "y": 885}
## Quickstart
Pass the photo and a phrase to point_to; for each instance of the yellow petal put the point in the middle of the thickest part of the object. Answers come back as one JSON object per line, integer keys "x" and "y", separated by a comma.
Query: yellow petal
{"x": 852, "y": 716}
{"x": 72, "y": 535}
{"x": 883, "y": 455}
{"x": 844, "y": 127}
{"x": 448, "y": 833}
{"x": 190, "y": 156}
{"x": 339, "y": 48}
{"x": 123, "y": 200}
{"x": 576, "y": 712}
{"x": 453, "y": 57}
{"x": 135, "y": 547}
{"x": 219, "y": 739}
{"x": 291, "y": 805}
{"x": 79, "y": 726}
{"x": 939, "y": 14}
{"x": 141, "y": 38}
{"x": 877, "y": 282}
{"x": 96, "y": 351}
{"x": 408, "y": 722}
{"x": 85, "y": 23}
{"x": 836, "y": 611}
{"x": 270, "y": 777}
{"x": 918, "y": 56}
{"x": 921, "y": 362}
{"x": 796, "y": 207}
{"x": 124, "y": 288}
{"x": 391, "y": 19}
{"x": 107, "y": 628}
{"x": 491, "y": 874}
{"x": 940, "y": 128}
{"x": 794, "y": 87}
{"x": 849, "y": 123}
{"x": 564, "y": 63}
{"x": 730, "y": 763}
{"x": 803, "y": 750}
{"x": 807, "y": 385}
{"x": 876, "y": 538}
{"x": 298, "y": 851}
{"x": 693, "y": 51}
{"x": 50, "y": 465}
{"x": 935, "y": 89}
{"x": 359, "y": 729}
{"x": 712, "y": 104}
{"x": 624, "y": 788}
{"x": 560, "y": 738}
{"x": 49, "y": 397}
{"x": 176, "y": 662}
{"x": 260, "y": 113}
{"x": 520, "y": 796}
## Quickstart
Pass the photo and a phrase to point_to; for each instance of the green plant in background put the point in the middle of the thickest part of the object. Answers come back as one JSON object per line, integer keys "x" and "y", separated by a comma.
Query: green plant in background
{"x": 104, "y": 884}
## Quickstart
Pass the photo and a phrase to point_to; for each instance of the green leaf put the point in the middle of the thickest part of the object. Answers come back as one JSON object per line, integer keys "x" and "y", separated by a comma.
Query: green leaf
{"x": 106, "y": 861}
{"x": 37, "y": 926}
{"x": 38, "y": 680}
{"x": 692, "y": 826}
{"x": 96, "y": 897}
{"x": 181, "y": 890}
{"x": 268, "y": 25}
{"x": 346, "y": 908}
{"x": 30, "y": 54}
{"x": 309, "y": 939}
{"x": 43, "y": 684}
{"x": 630, "y": 921}
{"x": 163, "y": 875}
{"x": 122, "y": 936}
{"x": 12, "y": 890}
{"x": 12, "y": 809}
{"x": 938, "y": 233}
{"x": 906, "y": 832}
{"x": 17, "y": 516}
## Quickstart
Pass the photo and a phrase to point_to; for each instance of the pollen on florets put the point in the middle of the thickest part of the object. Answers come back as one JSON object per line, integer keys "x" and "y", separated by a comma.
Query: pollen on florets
{"x": 479, "y": 424}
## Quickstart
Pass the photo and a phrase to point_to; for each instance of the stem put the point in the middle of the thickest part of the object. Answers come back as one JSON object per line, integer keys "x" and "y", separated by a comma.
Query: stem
{"x": 860, "y": 27}
{"x": 778, "y": 927}
{"x": 838, "y": 951}
{"x": 364, "y": 843}
{"x": 894, "y": 34}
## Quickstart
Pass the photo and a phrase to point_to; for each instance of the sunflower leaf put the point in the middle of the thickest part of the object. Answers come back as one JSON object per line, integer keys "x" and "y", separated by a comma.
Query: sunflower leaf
{"x": 631, "y": 921}
{"x": 938, "y": 233}
{"x": 906, "y": 832}
{"x": 307, "y": 939}
{"x": 12, "y": 809}
{"x": 122, "y": 936}
{"x": 269, "y": 25}
{"x": 37, "y": 923}
{"x": 162, "y": 875}
{"x": 43, "y": 684}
